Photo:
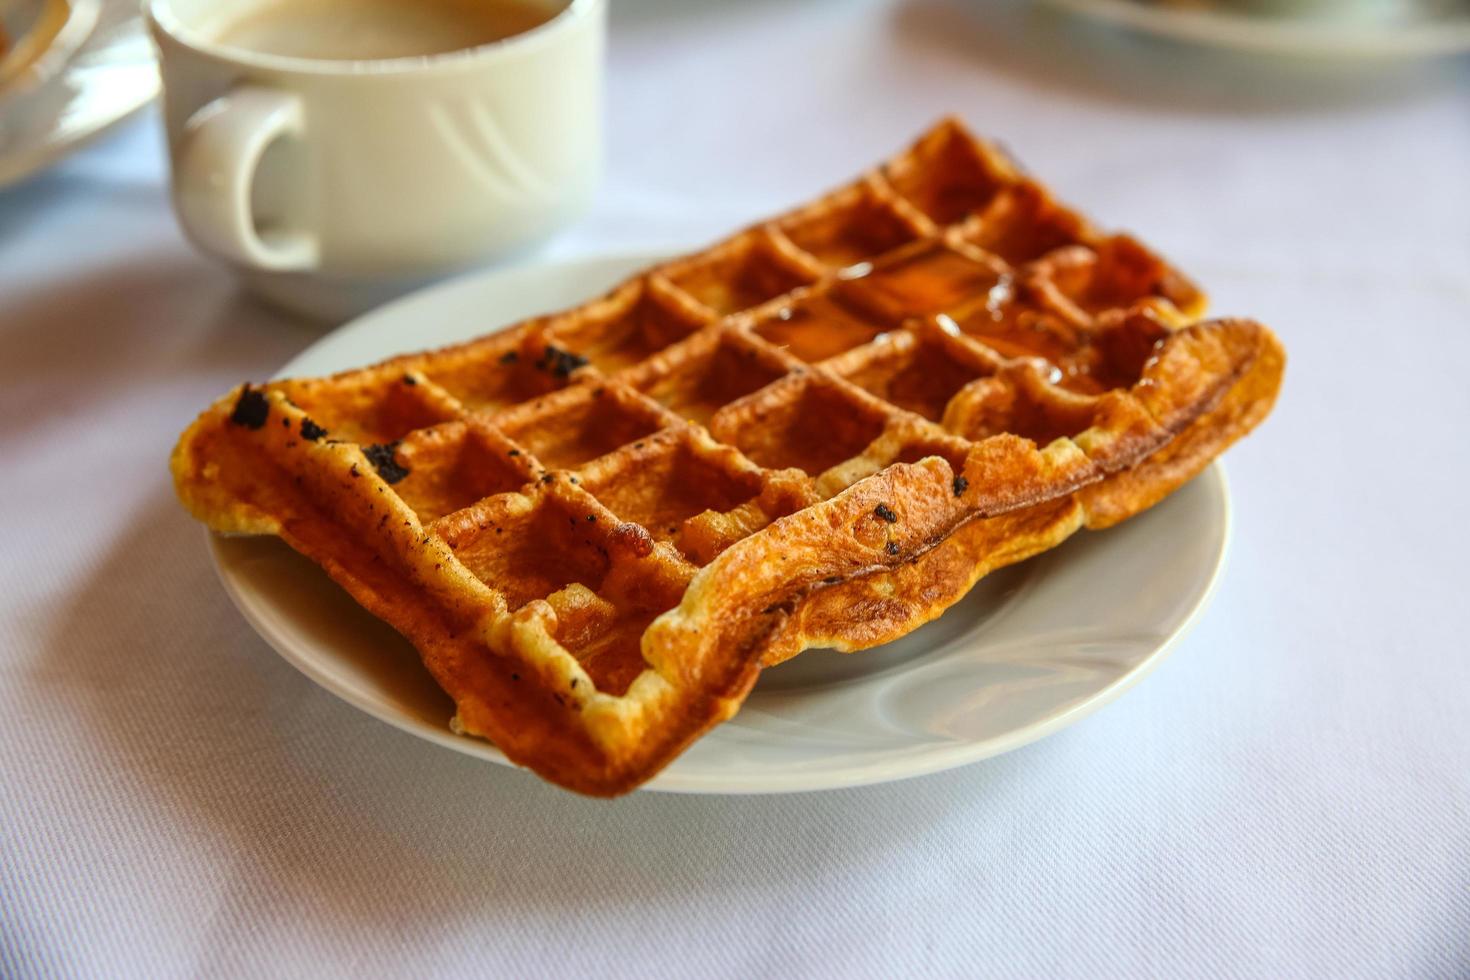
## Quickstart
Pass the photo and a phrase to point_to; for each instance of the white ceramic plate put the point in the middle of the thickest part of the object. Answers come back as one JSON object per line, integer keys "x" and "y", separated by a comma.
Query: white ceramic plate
{"x": 111, "y": 75}
{"x": 1424, "y": 29}
{"x": 1031, "y": 649}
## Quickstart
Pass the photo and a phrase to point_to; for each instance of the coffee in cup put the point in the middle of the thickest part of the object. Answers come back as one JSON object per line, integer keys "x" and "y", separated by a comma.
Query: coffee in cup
{"x": 371, "y": 30}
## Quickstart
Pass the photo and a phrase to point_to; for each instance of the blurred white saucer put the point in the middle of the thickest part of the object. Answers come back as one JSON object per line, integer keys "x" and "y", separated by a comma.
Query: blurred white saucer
{"x": 110, "y": 73}
{"x": 1362, "y": 29}
{"x": 37, "y": 37}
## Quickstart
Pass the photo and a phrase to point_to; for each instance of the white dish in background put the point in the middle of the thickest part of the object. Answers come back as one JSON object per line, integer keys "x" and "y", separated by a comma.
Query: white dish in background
{"x": 1412, "y": 30}
{"x": 1033, "y": 648}
{"x": 38, "y": 36}
{"x": 109, "y": 76}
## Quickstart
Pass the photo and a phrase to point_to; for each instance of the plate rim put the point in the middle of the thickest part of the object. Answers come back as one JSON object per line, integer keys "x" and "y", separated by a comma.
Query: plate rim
{"x": 256, "y": 612}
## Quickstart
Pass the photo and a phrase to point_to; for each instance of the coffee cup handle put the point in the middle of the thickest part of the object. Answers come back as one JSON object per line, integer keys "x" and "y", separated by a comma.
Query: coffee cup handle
{"x": 214, "y": 171}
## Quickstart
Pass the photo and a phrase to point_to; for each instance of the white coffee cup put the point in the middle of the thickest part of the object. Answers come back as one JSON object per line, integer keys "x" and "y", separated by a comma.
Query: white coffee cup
{"x": 333, "y": 185}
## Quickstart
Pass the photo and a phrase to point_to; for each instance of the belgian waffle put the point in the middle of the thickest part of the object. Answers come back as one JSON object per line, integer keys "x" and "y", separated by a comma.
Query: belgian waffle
{"x": 597, "y": 525}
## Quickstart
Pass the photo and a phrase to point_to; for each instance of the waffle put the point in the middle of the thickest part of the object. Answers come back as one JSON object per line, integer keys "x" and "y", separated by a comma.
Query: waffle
{"x": 598, "y": 525}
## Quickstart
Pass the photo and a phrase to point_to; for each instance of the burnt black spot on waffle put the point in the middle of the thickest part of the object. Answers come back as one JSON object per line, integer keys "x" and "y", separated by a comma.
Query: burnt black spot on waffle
{"x": 251, "y": 408}
{"x": 384, "y": 460}
{"x": 560, "y": 363}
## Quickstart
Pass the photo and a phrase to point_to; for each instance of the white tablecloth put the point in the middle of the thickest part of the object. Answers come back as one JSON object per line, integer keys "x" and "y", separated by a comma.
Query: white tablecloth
{"x": 1289, "y": 795}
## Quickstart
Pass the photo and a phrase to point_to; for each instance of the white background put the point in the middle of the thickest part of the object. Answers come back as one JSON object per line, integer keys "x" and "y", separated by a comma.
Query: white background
{"x": 1289, "y": 795}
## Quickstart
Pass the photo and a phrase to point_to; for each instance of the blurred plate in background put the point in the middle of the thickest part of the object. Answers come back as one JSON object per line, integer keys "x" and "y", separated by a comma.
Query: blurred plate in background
{"x": 1387, "y": 29}
{"x": 38, "y": 36}
{"x": 109, "y": 75}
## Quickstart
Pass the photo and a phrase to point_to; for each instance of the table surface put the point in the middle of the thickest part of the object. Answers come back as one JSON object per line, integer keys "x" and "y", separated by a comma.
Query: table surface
{"x": 1288, "y": 795}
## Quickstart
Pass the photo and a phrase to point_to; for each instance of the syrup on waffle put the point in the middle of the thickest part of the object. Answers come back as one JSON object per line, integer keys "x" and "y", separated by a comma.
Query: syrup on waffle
{"x": 597, "y": 525}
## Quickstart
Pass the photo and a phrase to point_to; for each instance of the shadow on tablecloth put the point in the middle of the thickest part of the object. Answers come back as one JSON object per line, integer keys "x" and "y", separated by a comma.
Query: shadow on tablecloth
{"x": 313, "y": 809}
{"x": 154, "y": 329}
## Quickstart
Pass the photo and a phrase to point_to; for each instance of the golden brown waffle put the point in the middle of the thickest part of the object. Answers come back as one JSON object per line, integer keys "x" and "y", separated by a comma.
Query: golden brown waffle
{"x": 596, "y": 526}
